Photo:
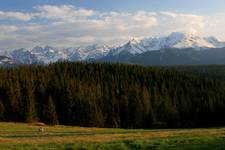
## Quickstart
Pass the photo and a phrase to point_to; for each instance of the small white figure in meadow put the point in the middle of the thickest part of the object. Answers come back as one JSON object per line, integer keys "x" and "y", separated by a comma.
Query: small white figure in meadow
{"x": 41, "y": 130}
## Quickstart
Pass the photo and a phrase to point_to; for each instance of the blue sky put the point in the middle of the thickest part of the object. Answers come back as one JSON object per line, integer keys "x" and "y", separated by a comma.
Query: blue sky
{"x": 68, "y": 23}
{"x": 199, "y": 6}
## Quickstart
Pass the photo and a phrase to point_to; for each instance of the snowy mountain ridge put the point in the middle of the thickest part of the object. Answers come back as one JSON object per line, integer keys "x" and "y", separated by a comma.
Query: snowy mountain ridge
{"x": 180, "y": 41}
{"x": 50, "y": 54}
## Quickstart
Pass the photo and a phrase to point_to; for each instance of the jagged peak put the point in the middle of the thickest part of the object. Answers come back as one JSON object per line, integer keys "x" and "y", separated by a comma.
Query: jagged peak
{"x": 134, "y": 46}
{"x": 133, "y": 40}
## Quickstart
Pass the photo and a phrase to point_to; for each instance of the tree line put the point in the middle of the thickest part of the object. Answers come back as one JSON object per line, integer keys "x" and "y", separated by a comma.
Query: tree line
{"x": 110, "y": 95}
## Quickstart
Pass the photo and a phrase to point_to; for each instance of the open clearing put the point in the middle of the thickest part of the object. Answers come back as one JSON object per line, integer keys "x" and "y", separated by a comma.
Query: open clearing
{"x": 26, "y": 136}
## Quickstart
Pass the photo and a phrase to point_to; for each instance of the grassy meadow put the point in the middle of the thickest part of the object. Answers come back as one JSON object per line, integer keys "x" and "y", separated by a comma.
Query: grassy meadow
{"x": 26, "y": 137}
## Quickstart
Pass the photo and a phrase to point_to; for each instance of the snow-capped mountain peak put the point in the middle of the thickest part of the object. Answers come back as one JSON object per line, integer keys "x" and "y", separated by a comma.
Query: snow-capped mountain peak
{"x": 178, "y": 40}
{"x": 133, "y": 41}
{"x": 37, "y": 49}
{"x": 23, "y": 56}
{"x": 90, "y": 52}
{"x": 132, "y": 46}
{"x": 178, "y": 36}
{"x": 181, "y": 40}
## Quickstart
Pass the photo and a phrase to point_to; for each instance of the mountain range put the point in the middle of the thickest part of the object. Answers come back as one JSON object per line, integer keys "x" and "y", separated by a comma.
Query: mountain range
{"x": 174, "y": 49}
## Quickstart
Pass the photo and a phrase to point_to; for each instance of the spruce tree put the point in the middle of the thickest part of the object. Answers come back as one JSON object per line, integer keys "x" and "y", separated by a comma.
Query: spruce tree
{"x": 2, "y": 110}
{"x": 50, "y": 114}
{"x": 30, "y": 108}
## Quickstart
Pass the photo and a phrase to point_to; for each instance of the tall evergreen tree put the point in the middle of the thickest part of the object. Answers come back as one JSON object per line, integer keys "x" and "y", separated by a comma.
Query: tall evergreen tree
{"x": 2, "y": 110}
{"x": 50, "y": 115}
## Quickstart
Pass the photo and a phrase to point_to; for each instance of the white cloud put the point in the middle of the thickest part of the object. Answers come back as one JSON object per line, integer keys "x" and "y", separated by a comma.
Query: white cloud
{"x": 68, "y": 25}
{"x": 7, "y": 28}
{"x": 64, "y": 12}
{"x": 215, "y": 25}
{"x": 144, "y": 19}
{"x": 170, "y": 14}
{"x": 15, "y": 15}
{"x": 7, "y": 31}
{"x": 173, "y": 21}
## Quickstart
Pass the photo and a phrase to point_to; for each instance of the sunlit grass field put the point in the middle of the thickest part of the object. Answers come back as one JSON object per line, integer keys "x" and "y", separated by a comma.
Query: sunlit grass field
{"x": 26, "y": 137}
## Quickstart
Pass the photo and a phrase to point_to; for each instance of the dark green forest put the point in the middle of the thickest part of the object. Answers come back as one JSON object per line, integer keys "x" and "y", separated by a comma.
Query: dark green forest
{"x": 111, "y": 95}
{"x": 216, "y": 72}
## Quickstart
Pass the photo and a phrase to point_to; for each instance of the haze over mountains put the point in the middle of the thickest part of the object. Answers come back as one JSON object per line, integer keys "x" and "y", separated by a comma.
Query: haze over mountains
{"x": 174, "y": 49}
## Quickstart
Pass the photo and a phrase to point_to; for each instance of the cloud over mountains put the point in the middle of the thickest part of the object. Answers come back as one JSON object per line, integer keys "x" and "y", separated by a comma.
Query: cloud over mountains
{"x": 68, "y": 25}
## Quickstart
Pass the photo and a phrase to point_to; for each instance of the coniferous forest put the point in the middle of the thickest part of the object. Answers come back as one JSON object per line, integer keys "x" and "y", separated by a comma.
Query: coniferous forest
{"x": 110, "y": 95}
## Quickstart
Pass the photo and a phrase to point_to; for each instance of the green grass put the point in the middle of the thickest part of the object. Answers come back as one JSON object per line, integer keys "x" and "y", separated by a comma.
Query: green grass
{"x": 21, "y": 136}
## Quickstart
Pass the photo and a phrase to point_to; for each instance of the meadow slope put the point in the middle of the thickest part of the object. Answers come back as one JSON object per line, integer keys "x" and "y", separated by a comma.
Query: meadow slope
{"x": 26, "y": 136}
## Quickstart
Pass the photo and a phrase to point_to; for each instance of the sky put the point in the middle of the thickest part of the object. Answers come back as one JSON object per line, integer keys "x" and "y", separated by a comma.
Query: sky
{"x": 70, "y": 23}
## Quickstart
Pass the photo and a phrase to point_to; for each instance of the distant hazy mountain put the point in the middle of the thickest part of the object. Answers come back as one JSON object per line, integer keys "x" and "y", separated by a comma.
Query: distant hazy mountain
{"x": 176, "y": 48}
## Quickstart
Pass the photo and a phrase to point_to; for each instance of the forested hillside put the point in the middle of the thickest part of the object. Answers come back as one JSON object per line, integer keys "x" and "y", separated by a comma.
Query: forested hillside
{"x": 188, "y": 56}
{"x": 110, "y": 95}
{"x": 216, "y": 72}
